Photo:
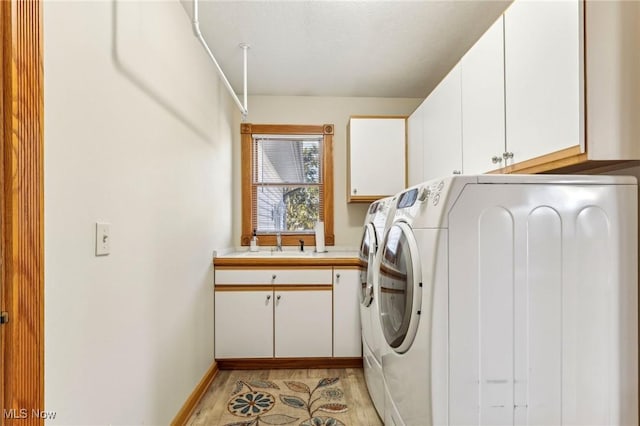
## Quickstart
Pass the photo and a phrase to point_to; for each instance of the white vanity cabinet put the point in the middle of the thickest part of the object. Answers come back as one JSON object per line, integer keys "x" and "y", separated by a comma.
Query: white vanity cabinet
{"x": 347, "y": 341}
{"x": 376, "y": 157}
{"x": 286, "y": 312}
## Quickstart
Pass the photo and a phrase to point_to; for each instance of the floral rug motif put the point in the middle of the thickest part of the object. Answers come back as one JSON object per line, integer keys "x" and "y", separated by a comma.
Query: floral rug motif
{"x": 309, "y": 402}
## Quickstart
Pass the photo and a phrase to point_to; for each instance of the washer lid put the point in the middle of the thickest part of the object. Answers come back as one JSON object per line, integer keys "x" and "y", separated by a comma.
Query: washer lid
{"x": 400, "y": 287}
{"x": 368, "y": 249}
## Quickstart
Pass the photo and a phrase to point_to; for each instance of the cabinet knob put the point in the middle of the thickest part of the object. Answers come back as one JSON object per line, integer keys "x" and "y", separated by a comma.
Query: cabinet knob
{"x": 273, "y": 277}
{"x": 278, "y": 297}
{"x": 337, "y": 276}
{"x": 495, "y": 159}
{"x": 457, "y": 172}
{"x": 355, "y": 191}
{"x": 507, "y": 155}
{"x": 268, "y": 297}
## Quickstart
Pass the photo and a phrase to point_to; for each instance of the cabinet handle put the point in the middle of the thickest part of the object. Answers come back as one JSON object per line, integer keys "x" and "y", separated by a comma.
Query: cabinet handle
{"x": 507, "y": 155}
{"x": 495, "y": 159}
{"x": 457, "y": 172}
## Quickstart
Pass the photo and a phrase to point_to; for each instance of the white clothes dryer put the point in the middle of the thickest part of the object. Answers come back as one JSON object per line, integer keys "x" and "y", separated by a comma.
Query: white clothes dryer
{"x": 371, "y": 331}
{"x": 511, "y": 299}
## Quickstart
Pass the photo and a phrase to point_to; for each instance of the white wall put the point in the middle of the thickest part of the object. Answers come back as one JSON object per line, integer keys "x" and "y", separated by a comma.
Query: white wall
{"x": 138, "y": 134}
{"x": 348, "y": 218}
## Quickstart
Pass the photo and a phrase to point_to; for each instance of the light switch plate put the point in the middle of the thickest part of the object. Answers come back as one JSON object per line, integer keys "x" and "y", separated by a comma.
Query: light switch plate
{"x": 103, "y": 239}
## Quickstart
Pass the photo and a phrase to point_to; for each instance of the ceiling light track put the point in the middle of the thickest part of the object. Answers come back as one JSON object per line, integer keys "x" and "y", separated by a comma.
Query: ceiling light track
{"x": 245, "y": 47}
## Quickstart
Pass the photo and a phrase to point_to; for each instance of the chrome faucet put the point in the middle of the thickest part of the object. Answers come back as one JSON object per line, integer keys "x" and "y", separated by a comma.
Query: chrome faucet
{"x": 278, "y": 242}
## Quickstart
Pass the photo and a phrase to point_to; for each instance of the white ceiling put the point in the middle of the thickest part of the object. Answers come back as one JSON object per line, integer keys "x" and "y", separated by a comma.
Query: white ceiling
{"x": 344, "y": 48}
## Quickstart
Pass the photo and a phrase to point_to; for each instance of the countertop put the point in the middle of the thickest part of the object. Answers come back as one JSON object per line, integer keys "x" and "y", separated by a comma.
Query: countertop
{"x": 270, "y": 257}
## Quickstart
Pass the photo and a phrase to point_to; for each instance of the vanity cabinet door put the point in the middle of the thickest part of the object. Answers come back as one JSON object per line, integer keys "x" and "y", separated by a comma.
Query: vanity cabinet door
{"x": 347, "y": 336}
{"x": 244, "y": 324}
{"x": 303, "y": 325}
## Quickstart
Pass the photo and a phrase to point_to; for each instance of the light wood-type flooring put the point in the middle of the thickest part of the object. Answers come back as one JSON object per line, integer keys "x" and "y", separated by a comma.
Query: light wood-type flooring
{"x": 214, "y": 402}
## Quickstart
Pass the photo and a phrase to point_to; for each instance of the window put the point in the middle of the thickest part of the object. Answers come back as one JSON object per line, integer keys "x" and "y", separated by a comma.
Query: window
{"x": 287, "y": 182}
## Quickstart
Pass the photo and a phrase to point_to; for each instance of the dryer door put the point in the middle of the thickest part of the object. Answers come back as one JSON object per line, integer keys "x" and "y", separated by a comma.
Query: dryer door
{"x": 368, "y": 248}
{"x": 400, "y": 287}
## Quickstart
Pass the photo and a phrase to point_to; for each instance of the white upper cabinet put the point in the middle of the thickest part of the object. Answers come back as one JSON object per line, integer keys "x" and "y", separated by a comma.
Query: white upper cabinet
{"x": 442, "y": 128}
{"x": 483, "y": 129}
{"x": 613, "y": 79}
{"x": 543, "y": 80}
{"x": 415, "y": 146}
{"x": 377, "y": 152}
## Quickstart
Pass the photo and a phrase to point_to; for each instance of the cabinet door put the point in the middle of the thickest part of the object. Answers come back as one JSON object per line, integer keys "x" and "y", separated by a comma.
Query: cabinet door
{"x": 542, "y": 77}
{"x": 483, "y": 132}
{"x": 303, "y": 323}
{"x": 347, "y": 336}
{"x": 244, "y": 324}
{"x": 415, "y": 147}
{"x": 376, "y": 156}
{"x": 443, "y": 128}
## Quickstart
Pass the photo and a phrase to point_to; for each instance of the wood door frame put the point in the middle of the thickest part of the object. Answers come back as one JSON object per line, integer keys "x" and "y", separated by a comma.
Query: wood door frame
{"x": 22, "y": 211}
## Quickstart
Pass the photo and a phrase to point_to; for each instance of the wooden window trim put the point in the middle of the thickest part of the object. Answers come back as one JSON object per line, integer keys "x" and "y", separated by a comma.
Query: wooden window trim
{"x": 246, "y": 132}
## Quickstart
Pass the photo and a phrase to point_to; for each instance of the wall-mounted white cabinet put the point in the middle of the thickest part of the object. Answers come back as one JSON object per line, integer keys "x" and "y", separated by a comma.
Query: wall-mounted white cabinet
{"x": 542, "y": 73}
{"x": 442, "y": 128}
{"x": 550, "y": 86}
{"x": 376, "y": 157}
{"x": 415, "y": 147}
{"x": 483, "y": 129}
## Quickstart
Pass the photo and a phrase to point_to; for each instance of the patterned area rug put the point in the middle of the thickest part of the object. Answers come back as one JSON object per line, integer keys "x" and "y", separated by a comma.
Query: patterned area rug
{"x": 309, "y": 402}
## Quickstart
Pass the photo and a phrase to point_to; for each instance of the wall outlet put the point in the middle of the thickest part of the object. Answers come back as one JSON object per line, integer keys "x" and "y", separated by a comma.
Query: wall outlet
{"x": 103, "y": 239}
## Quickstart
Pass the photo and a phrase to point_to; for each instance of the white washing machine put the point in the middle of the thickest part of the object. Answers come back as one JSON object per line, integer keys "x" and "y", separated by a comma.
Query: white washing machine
{"x": 511, "y": 299}
{"x": 371, "y": 330}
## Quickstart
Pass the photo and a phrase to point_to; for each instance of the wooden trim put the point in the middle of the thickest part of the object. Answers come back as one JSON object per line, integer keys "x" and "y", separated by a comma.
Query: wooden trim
{"x": 22, "y": 189}
{"x": 267, "y": 268}
{"x": 303, "y": 262}
{"x": 247, "y": 199}
{"x": 279, "y": 363}
{"x": 378, "y": 116}
{"x": 365, "y": 198}
{"x": 271, "y": 287}
{"x": 287, "y": 129}
{"x": 192, "y": 401}
{"x": 347, "y": 268}
{"x": 242, "y": 287}
{"x": 546, "y": 162}
{"x": 327, "y": 164}
{"x": 303, "y": 287}
{"x": 292, "y": 239}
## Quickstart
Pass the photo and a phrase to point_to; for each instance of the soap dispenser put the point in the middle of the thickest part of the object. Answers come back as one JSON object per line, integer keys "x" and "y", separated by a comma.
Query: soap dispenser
{"x": 254, "y": 242}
